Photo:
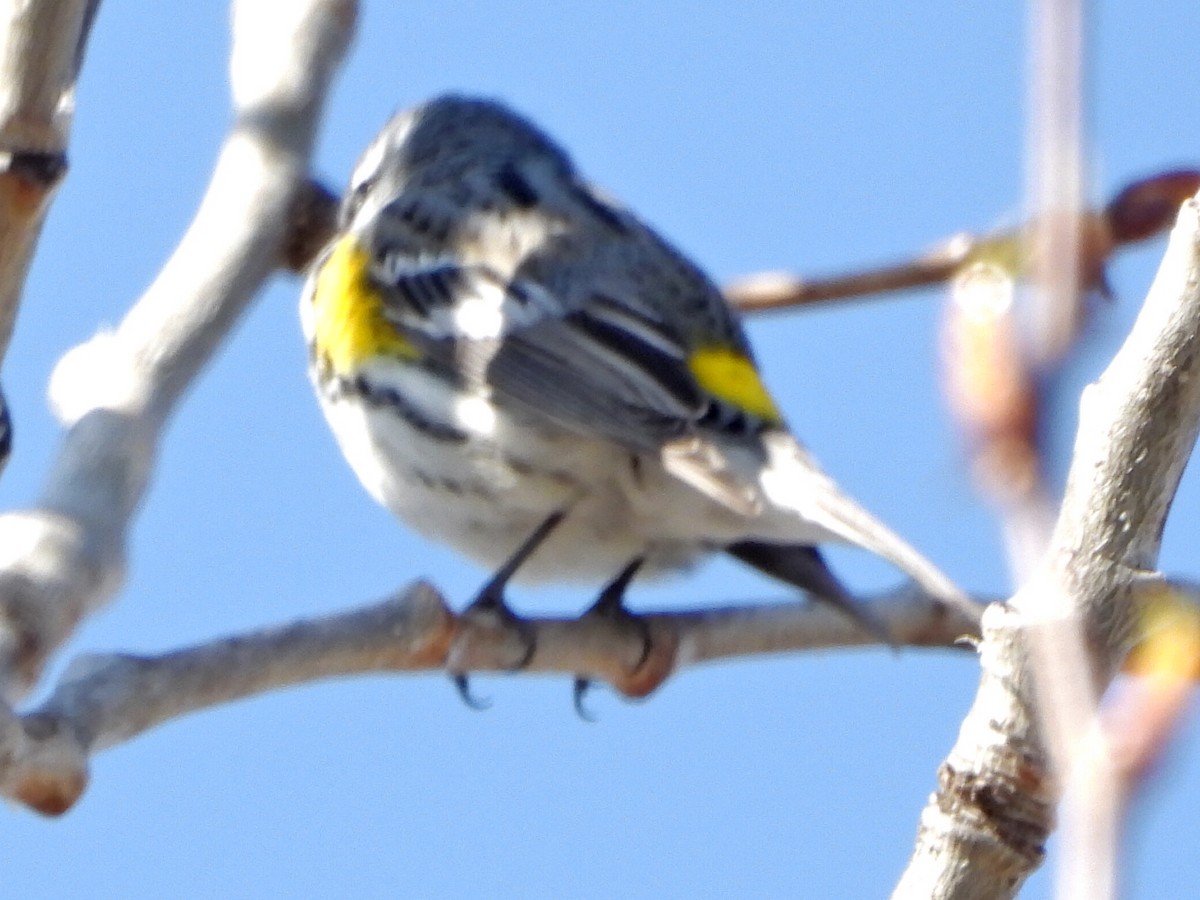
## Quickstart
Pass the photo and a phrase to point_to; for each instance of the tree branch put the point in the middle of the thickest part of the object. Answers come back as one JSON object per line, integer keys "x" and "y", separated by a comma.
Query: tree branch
{"x": 63, "y": 558}
{"x": 41, "y": 51}
{"x": 1139, "y": 210}
{"x": 105, "y": 700}
{"x": 984, "y": 831}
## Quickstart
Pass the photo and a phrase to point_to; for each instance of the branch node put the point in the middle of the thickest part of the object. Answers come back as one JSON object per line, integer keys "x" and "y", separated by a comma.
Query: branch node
{"x": 311, "y": 222}
{"x": 47, "y": 770}
{"x": 1010, "y": 801}
{"x": 38, "y": 168}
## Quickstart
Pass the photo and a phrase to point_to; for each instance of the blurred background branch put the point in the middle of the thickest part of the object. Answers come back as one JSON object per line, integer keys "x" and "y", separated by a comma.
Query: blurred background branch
{"x": 65, "y": 556}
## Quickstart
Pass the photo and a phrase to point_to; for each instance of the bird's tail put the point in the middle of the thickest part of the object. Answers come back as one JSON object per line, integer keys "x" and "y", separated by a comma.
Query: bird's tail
{"x": 805, "y": 568}
{"x": 792, "y": 481}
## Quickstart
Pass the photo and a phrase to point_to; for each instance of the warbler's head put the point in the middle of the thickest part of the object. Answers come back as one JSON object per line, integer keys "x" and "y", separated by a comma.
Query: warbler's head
{"x": 460, "y": 144}
{"x": 425, "y": 196}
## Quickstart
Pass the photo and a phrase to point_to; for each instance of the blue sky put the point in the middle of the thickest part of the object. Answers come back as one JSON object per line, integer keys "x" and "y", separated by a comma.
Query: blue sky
{"x": 814, "y": 137}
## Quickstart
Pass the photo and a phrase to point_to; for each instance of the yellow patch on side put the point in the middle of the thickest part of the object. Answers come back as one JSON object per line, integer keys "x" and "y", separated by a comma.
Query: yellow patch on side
{"x": 730, "y": 375}
{"x": 349, "y": 326}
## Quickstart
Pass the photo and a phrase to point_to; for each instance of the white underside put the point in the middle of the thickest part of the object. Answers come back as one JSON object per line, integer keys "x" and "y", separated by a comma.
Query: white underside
{"x": 488, "y": 494}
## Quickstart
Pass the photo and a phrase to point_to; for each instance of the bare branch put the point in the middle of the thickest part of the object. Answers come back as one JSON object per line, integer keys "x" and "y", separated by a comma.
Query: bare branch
{"x": 41, "y": 50}
{"x": 105, "y": 700}
{"x": 781, "y": 290}
{"x": 65, "y": 557}
{"x": 984, "y": 831}
{"x": 1140, "y": 210}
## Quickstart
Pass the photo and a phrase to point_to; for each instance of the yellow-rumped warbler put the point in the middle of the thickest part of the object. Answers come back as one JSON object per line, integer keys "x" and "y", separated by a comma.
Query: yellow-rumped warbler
{"x": 518, "y": 366}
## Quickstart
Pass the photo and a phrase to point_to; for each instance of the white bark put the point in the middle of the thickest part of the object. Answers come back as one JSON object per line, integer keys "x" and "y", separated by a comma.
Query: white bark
{"x": 41, "y": 48}
{"x": 984, "y": 831}
{"x": 66, "y": 556}
{"x": 105, "y": 700}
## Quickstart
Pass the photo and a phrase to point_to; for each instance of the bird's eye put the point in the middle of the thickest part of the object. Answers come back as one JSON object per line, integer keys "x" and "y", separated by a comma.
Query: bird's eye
{"x": 353, "y": 202}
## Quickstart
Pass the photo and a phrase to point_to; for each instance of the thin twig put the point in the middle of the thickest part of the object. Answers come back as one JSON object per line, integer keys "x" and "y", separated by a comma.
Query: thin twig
{"x": 1140, "y": 210}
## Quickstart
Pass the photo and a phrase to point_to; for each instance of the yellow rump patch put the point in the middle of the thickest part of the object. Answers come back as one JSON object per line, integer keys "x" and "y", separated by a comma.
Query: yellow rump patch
{"x": 349, "y": 325}
{"x": 730, "y": 375}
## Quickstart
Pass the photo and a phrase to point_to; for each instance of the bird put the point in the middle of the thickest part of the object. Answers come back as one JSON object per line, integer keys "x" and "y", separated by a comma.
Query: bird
{"x": 516, "y": 365}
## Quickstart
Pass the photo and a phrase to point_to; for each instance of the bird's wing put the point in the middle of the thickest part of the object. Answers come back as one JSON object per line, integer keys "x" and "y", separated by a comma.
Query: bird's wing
{"x": 589, "y": 362}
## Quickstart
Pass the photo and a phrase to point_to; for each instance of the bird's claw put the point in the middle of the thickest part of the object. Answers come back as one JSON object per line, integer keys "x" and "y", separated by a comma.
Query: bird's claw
{"x": 462, "y": 684}
{"x": 579, "y": 693}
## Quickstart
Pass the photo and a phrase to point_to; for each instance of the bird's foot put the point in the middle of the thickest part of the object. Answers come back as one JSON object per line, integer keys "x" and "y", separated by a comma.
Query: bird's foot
{"x": 610, "y": 608}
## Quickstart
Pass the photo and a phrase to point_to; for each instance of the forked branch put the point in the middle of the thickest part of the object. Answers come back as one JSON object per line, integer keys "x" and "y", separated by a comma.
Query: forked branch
{"x": 984, "y": 831}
